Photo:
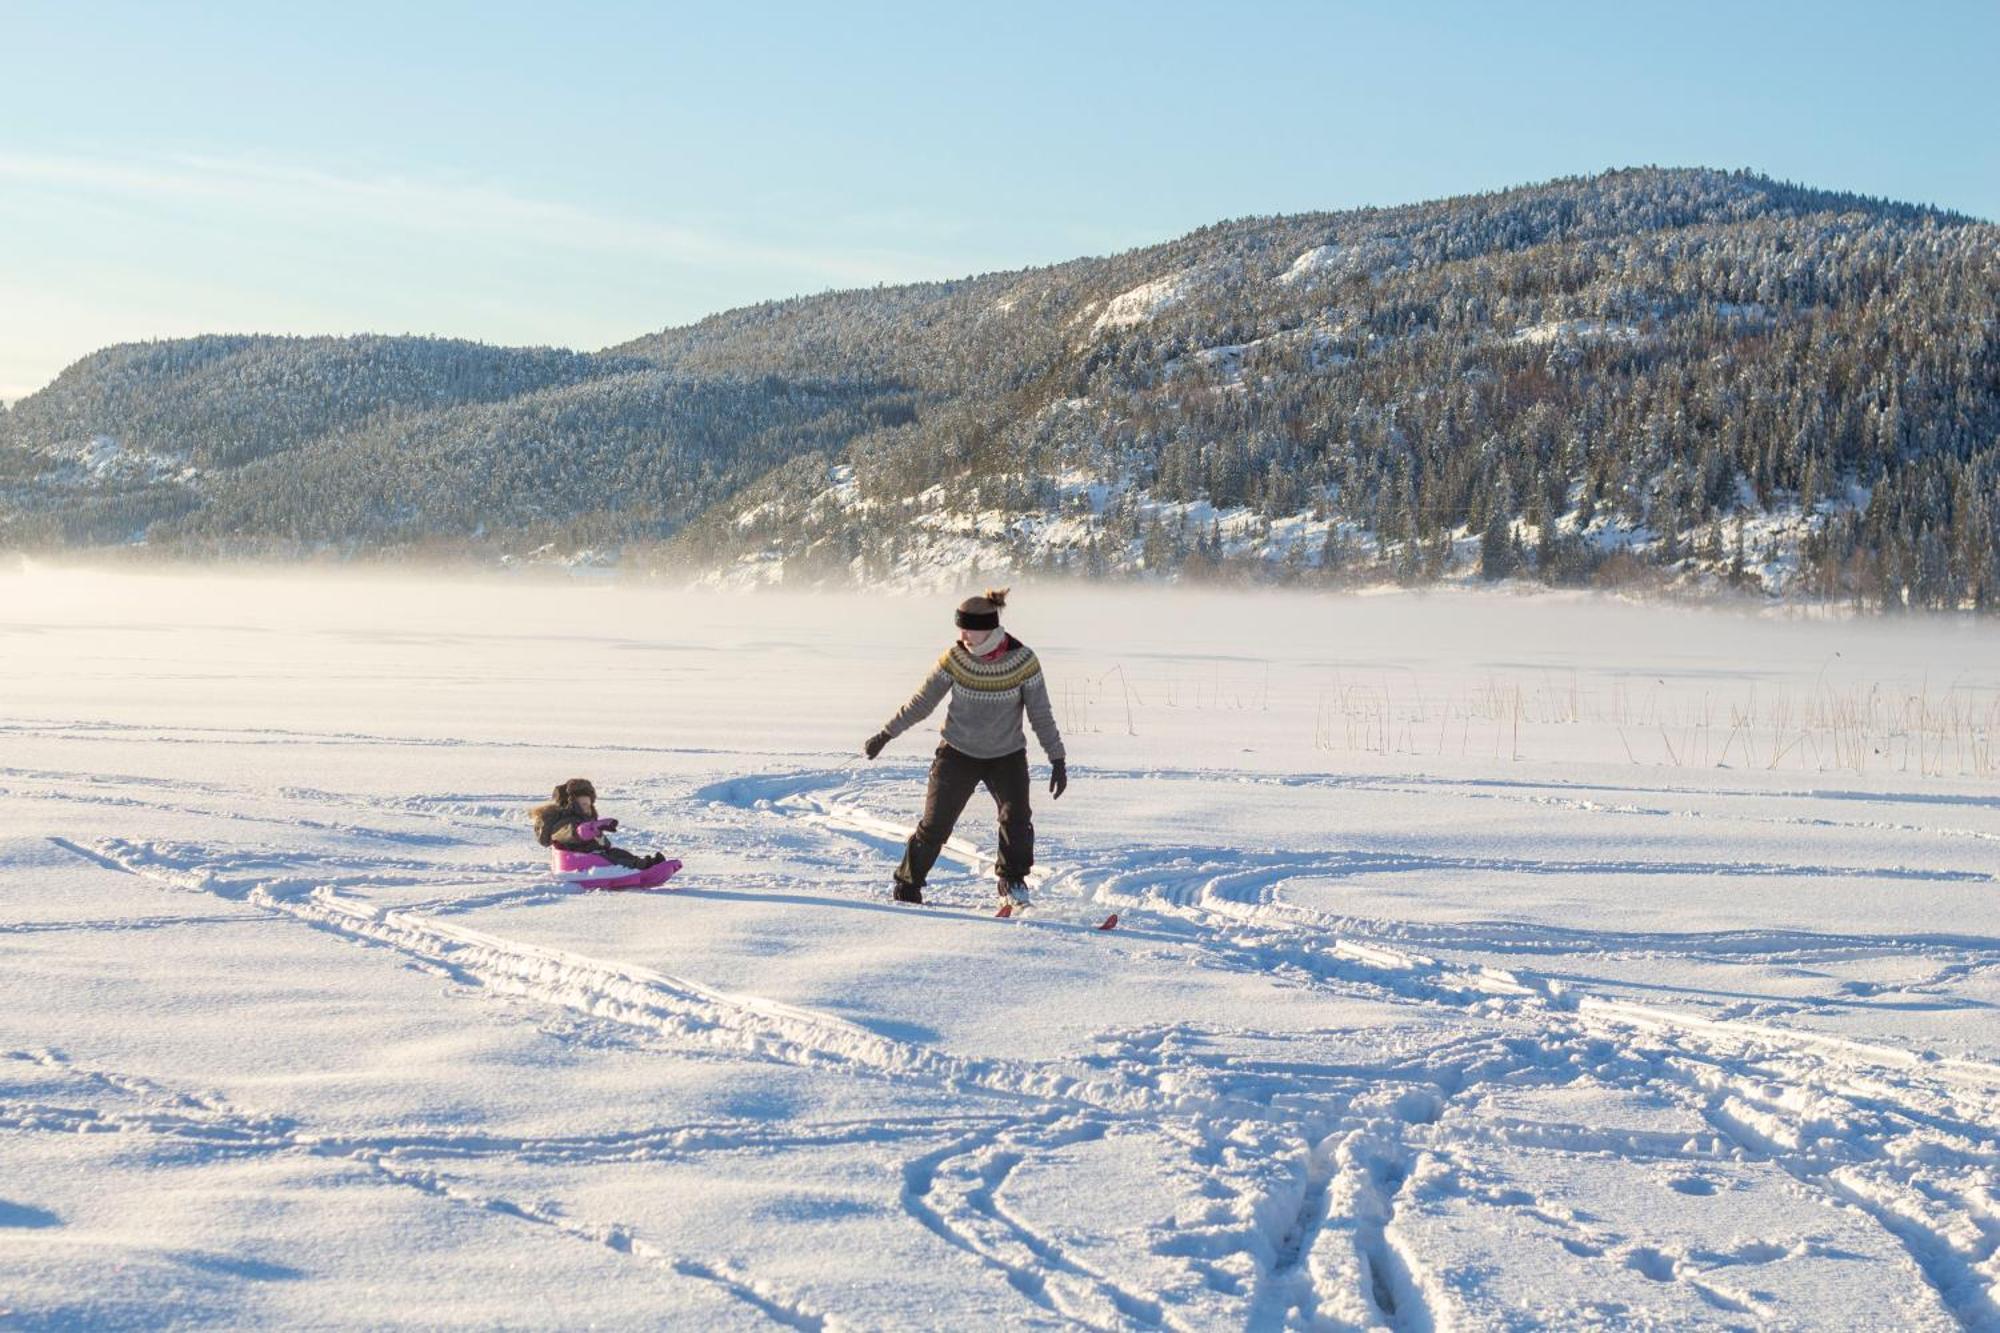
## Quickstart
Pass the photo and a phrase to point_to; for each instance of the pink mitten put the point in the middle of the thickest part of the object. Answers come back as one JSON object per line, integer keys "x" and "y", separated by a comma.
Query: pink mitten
{"x": 590, "y": 830}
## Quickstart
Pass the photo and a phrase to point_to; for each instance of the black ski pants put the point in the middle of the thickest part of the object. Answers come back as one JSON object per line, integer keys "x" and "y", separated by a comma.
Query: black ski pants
{"x": 617, "y": 856}
{"x": 954, "y": 777}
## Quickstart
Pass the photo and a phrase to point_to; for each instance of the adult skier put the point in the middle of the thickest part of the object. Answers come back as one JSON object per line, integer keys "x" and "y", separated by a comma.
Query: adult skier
{"x": 992, "y": 678}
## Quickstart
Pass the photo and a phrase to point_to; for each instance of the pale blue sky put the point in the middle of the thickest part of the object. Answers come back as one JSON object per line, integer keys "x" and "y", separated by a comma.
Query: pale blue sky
{"x": 583, "y": 173}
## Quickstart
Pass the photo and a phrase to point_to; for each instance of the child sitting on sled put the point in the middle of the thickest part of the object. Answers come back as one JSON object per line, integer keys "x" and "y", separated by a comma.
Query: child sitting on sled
{"x": 580, "y": 852}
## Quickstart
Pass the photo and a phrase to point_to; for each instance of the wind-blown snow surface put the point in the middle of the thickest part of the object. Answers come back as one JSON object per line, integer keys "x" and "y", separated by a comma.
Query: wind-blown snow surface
{"x": 1486, "y": 962}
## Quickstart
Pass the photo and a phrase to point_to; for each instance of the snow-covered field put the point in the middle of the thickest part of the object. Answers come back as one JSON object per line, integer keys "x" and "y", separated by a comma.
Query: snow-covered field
{"x": 1486, "y": 961}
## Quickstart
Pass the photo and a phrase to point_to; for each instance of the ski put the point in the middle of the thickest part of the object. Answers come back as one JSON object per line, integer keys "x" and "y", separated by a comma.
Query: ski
{"x": 1008, "y": 912}
{"x": 1013, "y": 912}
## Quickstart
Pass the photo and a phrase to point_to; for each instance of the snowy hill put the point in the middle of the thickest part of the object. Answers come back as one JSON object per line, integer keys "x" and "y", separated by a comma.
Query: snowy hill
{"x": 1605, "y": 380}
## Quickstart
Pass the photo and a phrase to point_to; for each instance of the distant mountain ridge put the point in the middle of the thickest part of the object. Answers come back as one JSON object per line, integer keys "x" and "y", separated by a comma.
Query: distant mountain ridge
{"x": 1677, "y": 375}
{"x": 794, "y": 336}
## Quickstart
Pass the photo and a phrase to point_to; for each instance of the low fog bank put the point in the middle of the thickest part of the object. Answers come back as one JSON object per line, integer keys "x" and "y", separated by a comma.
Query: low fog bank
{"x": 1466, "y": 627}
{"x": 1143, "y": 676}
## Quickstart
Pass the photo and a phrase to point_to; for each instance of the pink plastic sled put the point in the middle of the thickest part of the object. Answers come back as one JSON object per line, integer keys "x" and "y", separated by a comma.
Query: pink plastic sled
{"x": 588, "y": 870}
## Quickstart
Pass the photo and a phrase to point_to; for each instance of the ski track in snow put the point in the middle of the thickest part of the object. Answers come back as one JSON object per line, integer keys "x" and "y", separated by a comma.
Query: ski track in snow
{"x": 1913, "y": 1156}
{"x": 1906, "y": 1138}
{"x": 209, "y": 1123}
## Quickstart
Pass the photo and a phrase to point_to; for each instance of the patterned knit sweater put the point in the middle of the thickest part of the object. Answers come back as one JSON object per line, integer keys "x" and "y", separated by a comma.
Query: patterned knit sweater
{"x": 988, "y": 696}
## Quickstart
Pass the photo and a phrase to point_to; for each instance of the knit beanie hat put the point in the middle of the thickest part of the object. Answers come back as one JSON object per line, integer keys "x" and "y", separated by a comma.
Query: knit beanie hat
{"x": 982, "y": 612}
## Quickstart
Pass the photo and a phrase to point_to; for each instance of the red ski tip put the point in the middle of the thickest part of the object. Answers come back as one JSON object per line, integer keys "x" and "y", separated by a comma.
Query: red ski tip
{"x": 1006, "y": 910}
{"x": 1109, "y": 922}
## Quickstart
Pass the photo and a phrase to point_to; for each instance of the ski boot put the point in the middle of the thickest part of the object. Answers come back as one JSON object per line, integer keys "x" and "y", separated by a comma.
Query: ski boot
{"x": 1013, "y": 897}
{"x": 909, "y": 893}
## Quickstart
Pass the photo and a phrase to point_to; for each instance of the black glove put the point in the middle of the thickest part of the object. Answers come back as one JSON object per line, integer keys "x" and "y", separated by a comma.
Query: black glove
{"x": 873, "y": 745}
{"x": 608, "y": 825}
{"x": 1058, "y": 778}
